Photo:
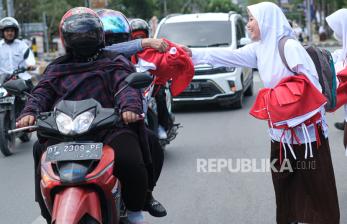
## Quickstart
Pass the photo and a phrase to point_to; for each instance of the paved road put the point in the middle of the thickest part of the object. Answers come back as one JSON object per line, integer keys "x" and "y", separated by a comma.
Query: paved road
{"x": 191, "y": 197}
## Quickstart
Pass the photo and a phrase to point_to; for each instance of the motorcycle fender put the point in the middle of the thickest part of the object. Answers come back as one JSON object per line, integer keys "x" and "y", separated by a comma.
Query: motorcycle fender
{"x": 72, "y": 203}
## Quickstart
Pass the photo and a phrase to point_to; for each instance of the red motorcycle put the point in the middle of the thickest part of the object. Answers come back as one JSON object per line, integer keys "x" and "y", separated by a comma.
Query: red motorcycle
{"x": 77, "y": 183}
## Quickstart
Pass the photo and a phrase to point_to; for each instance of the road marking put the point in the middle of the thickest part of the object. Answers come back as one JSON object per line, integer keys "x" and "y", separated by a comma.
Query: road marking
{"x": 39, "y": 220}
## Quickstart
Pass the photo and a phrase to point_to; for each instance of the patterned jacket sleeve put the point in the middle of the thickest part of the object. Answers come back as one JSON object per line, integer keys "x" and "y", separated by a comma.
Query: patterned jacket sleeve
{"x": 42, "y": 99}
{"x": 129, "y": 99}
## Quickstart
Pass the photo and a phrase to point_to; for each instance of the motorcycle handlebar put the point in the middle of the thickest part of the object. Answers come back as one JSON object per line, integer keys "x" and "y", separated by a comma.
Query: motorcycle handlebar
{"x": 19, "y": 70}
{"x": 33, "y": 127}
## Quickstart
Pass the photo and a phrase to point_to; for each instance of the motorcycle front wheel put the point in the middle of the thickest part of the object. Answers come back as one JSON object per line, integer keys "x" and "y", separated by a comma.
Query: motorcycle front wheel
{"x": 7, "y": 141}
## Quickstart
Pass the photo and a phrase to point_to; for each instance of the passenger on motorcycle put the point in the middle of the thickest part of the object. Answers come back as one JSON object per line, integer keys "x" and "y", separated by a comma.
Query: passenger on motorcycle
{"x": 12, "y": 49}
{"x": 140, "y": 30}
{"x": 117, "y": 31}
{"x": 87, "y": 71}
{"x": 117, "y": 35}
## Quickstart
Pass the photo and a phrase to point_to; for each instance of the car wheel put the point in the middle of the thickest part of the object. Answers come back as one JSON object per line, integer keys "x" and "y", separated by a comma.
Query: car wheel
{"x": 250, "y": 90}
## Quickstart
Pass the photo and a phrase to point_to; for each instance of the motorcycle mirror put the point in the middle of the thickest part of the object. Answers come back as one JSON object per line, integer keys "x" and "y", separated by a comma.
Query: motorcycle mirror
{"x": 139, "y": 80}
{"x": 16, "y": 87}
{"x": 3, "y": 78}
{"x": 26, "y": 54}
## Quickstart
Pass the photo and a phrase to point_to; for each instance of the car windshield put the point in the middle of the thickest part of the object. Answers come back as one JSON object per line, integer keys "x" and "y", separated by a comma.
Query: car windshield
{"x": 198, "y": 34}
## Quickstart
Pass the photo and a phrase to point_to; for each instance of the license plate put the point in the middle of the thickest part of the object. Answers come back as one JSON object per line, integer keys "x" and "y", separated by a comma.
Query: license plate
{"x": 193, "y": 87}
{"x": 74, "y": 151}
{"x": 9, "y": 99}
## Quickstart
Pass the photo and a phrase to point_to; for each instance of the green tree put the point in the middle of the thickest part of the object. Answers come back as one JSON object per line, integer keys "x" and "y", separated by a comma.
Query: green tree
{"x": 251, "y": 2}
{"x": 221, "y": 6}
{"x": 33, "y": 10}
{"x": 134, "y": 8}
{"x": 54, "y": 11}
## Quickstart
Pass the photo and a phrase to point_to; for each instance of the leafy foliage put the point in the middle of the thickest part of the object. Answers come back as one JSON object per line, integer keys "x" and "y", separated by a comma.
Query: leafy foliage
{"x": 32, "y": 10}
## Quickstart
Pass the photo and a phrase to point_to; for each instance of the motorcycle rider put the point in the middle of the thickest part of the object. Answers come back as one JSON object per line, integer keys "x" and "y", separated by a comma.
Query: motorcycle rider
{"x": 12, "y": 49}
{"x": 11, "y": 56}
{"x": 87, "y": 71}
{"x": 140, "y": 30}
{"x": 117, "y": 30}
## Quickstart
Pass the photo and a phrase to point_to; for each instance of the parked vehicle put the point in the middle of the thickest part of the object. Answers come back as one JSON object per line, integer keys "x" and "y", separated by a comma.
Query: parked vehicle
{"x": 226, "y": 86}
{"x": 78, "y": 184}
{"x": 10, "y": 107}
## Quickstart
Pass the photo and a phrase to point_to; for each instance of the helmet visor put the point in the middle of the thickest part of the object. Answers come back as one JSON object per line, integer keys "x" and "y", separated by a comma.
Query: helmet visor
{"x": 82, "y": 29}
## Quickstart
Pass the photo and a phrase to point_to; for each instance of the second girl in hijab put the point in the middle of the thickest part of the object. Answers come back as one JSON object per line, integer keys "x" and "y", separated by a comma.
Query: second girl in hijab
{"x": 297, "y": 123}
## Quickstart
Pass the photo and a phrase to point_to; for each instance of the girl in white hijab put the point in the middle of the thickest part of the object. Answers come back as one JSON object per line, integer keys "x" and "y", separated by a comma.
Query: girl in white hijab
{"x": 338, "y": 23}
{"x": 307, "y": 196}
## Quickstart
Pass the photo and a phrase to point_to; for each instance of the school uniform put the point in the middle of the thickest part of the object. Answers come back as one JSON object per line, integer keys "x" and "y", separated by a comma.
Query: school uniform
{"x": 307, "y": 196}
{"x": 337, "y": 22}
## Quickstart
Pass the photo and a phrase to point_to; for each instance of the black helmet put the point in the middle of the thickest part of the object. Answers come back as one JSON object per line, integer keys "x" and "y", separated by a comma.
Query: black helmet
{"x": 9, "y": 22}
{"x": 81, "y": 31}
{"x": 139, "y": 25}
{"x": 116, "y": 26}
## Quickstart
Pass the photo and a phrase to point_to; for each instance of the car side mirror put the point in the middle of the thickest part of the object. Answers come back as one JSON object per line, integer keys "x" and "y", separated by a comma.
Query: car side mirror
{"x": 244, "y": 41}
{"x": 16, "y": 87}
{"x": 139, "y": 80}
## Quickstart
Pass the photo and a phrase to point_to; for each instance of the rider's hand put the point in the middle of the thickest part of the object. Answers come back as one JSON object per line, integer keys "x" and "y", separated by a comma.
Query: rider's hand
{"x": 130, "y": 117}
{"x": 25, "y": 121}
{"x": 186, "y": 49}
{"x": 158, "y": 44}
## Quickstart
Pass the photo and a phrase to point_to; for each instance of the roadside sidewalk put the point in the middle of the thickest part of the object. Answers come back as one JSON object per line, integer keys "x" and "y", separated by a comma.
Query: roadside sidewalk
{"x": 330, "y": 42}
{"x": 327, "y": 43}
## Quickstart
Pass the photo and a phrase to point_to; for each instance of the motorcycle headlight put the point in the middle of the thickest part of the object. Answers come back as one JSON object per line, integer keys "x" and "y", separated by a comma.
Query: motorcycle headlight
{"x": 3, "y": 92}
{"x": 78, "y": 125}
{"x": 82, "y": 122}
{"x": 64, "y": 123}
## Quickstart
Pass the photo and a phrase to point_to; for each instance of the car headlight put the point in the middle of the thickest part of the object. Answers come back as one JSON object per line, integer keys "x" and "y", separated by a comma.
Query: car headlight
{"x": 78, "y": 125}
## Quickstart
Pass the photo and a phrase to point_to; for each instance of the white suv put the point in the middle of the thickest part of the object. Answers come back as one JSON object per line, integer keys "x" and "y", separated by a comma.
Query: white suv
{"x": 224, "y": 85}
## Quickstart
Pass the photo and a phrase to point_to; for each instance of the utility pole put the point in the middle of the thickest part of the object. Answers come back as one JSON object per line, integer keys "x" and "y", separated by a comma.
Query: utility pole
{"x": 308, "y": 20}
{"x": 1, "y": 10}
{"x": 165, "y": 8}
{"x": 10, "y": 9}
{"x": 46, "y": 32}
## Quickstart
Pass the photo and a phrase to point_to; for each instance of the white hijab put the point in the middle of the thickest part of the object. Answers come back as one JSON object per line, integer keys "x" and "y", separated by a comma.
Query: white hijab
{"x": 273, "y": 25}
{"x": 338, "y": 23}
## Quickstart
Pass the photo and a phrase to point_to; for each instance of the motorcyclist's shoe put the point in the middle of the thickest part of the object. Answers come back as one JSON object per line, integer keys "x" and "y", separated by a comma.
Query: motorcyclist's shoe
{"x": 154, "y": 207}
{"x": 340, "y": 125}
{"x": 161, "y": 132}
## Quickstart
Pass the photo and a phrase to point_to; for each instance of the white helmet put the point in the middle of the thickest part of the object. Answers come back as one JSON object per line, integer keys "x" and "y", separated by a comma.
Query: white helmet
{"x": 9, "y": 22}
